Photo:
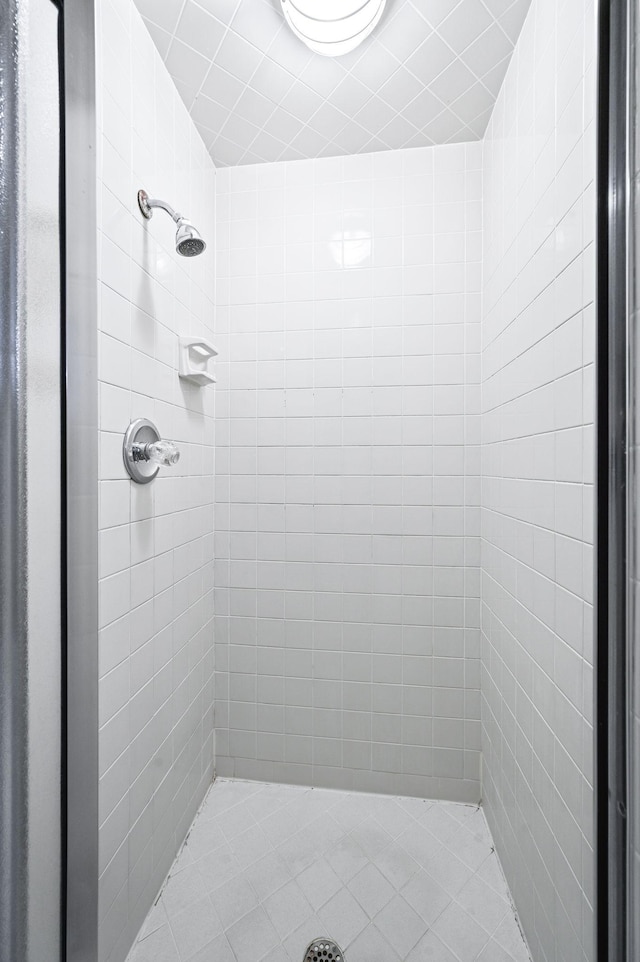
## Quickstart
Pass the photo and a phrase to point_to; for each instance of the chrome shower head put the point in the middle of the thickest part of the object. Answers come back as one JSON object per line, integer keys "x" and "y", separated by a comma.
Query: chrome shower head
{"x": 189, "y": 243}
{"x": 188, "y": 240}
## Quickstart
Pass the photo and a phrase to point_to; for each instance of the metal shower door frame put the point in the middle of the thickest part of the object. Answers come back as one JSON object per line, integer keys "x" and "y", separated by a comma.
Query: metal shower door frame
{"x": 31, "y": 483}
{"x": 615, "y": 512}
{"x": 48, "y": 483}
{"x": 80, "y": 921}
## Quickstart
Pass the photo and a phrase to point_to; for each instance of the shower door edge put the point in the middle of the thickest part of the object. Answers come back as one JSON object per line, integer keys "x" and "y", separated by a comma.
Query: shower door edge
{"x": 80, "y": 724}
{"x": 610, "y": 682}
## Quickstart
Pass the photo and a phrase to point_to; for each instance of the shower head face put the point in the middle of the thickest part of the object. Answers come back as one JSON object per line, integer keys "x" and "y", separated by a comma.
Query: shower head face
{"x": 188, "y": 240}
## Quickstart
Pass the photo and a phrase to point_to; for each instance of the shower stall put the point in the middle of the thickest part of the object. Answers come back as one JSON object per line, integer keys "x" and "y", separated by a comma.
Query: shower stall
{"x": 318, "y": 582}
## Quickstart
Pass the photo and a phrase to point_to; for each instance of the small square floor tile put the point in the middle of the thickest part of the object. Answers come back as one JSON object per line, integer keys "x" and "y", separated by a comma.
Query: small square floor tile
{"x": 371, "y": 889}
{"x": 253, "y": 936}
{"x": 296, "y": 943}
{"x": 235, "y": 821}
{"x": 431, "y": 949}
{"x": 440, "y": 823}
{"x": 343, "y": 918}
{"x": 195, "y": 927}
{"x": 420, "y": 844}
{"x": 509, "y": 936}
{"x": 426, "y": 897}
{"x": 276, "y": 955}
{"x": 392, "y": 817}
{"x": 218, "y": 950}
{"x": 319, "y": 883}
{"x": 233, "y": 900}
{"x": 371, "y": 837}
{"x": 217, "y": 867}
{"x": 493, "y": 952}
{"x": 347, "y": 859}
{"x": 449, "y": 872}
{"x": 469, "y": 848}
{"x": 267, "y": 875}
{"x": 182, "y": 890}
{"x": 490, "y": 873}
{"x": 484, "y": 905}
{"x": 205, "y": 837}
{"x": 401, "y": 926}
{"x": 287, "y": 908}
{"x": 249, "y": 846}
{"x": 370, "y": 946}
{"x": 396, "y": 864}
{"x": 460, "y": 933}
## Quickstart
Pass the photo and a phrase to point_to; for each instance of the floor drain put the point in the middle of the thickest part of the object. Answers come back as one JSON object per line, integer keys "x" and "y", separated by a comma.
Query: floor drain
{"x": 323, "y": 950}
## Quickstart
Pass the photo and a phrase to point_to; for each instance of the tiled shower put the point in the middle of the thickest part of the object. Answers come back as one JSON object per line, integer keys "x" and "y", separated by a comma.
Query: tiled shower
{"x": 370, "y": 573}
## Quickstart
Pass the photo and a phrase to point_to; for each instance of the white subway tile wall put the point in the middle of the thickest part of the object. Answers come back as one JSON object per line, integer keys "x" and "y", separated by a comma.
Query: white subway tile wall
{"x": 156, "y": 541}
{"x": 347, "y": 472}
{"x": 537, "y": 477}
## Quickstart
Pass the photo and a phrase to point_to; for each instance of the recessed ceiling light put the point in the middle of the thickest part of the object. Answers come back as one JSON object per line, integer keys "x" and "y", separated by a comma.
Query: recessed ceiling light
{"x": 332, "y": 27}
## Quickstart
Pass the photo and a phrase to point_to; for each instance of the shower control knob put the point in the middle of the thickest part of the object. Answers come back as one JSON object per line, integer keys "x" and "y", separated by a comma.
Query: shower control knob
{"x": 144, "y": 452}
{"x": 158, "y": 452}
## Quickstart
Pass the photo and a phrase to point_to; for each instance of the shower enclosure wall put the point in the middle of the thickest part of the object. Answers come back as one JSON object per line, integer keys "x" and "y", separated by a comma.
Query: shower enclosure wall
{"x": 538, "y": 345}
{"x": 347, "y": 477}
{"x": 403, "y": 475}
{"x": 156, "y": 540}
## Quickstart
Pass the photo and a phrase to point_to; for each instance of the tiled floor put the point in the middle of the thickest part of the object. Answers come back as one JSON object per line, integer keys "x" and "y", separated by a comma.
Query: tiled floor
{"x": 266, "y": 868}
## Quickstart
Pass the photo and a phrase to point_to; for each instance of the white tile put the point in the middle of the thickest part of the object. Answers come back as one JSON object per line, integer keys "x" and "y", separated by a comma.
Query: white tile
{"x": 509, "y": 936}
{"x": 195, "y": 927}
{"x": 181, "y": 890}
{"x": 371, "y": 889}
{"x": 319, "y": 883}
{"x": 287, "y": 908}
{"x": 347, "y": 859}
{"x": 268, "y": 874}
{"x": 493, "y": 952}
{"x": 205, "y": 837}
{"x": 370, "y": 946}
{"x": 400, "y": 925}
{"x": 460, "y": 933}
{"x": 217, "y": 867}
{"x": 426, "y": 897}
{"x": 430, "y": 947}
{"x": 253, "y": 936}
{"x": 233, "y": 900}
{"x": 250, "y": 846}
{"x": 199, "y": 30}
{"x": 343, "y": 917}
{"x": 296, "y": 943}
{"x": 218, "y": 950}
{"x": 396, "y": 865}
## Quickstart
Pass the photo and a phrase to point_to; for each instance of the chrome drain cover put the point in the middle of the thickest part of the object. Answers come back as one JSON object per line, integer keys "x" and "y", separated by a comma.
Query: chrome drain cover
{"x": 323, "y": 950}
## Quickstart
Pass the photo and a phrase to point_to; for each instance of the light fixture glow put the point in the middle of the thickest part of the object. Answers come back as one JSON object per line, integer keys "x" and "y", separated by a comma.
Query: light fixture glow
{"x": 332, "y": 27}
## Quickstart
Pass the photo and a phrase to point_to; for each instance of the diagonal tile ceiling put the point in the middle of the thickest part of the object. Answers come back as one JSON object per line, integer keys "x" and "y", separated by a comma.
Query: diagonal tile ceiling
{"x": 429, "y": 74}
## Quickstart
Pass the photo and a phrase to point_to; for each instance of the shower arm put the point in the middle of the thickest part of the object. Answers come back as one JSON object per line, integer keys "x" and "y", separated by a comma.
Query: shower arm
{"x": 146, "y": 205}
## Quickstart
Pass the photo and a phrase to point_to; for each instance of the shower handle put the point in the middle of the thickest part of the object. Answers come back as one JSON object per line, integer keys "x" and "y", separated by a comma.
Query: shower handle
{"x": 144, "y": 452}
{"x": 158, "y": 452}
